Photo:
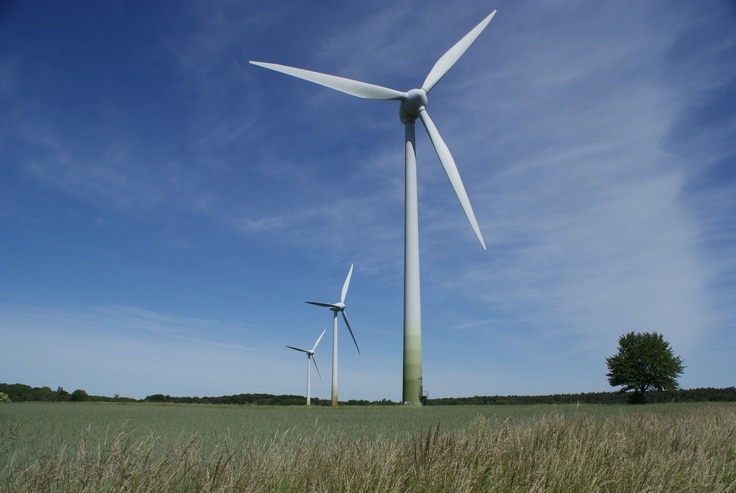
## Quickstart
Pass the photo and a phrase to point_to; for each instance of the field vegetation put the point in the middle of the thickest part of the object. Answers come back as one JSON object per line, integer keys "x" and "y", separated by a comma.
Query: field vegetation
{"x": 173, "y": 447}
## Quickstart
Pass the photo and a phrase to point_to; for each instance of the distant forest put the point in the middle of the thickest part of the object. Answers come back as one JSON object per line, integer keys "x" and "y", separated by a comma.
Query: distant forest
{"x": 24, "y": 393}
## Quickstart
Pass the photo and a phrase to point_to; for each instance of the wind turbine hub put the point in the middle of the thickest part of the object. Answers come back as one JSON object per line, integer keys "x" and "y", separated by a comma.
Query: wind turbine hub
{"x": 415, "y": 99}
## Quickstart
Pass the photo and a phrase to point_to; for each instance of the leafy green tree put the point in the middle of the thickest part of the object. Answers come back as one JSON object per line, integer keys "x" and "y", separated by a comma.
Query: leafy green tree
{"x": 644, "y": 362}
{"x": 4, "y": 397}
{"x": 79, "y": 395}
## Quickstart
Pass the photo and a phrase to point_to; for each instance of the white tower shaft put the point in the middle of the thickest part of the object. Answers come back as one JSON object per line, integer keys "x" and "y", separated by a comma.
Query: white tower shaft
{"x": 412, "y": 383}
{"x": 334, "y": 359}
{"x": 309, "y": 378}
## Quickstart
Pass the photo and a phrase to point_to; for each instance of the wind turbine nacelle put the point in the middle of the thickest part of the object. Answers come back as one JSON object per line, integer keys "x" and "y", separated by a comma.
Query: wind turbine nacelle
{"x": 409, "y": 110}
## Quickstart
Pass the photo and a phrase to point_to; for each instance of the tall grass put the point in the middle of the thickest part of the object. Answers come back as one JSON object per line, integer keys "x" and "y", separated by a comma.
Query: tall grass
{"x": 535, "y": 448}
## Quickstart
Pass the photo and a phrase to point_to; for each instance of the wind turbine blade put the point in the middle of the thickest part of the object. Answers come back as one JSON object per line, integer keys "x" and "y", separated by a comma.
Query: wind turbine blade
{"x": 345, "y": 317}
{"x": 447, "y": 60}
{"x": 317, "y": 368}
{"x": 346, "y": 284}
{"x": 298, "y": 349}
{"x": 451, "y": 169}
{"x": 348, "y": 86}
{"x": 318, "y": 339}
{"x": 328, "y": 305}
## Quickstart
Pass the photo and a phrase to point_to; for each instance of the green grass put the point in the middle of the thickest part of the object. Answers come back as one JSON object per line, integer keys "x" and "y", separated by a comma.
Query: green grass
{"x": 139, "y": 447}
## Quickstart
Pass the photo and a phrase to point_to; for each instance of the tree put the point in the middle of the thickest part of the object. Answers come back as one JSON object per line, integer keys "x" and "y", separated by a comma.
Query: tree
{"x": 644, "y": 362}
{"x": 62, "y": 395}
{"x": 79, "y": 395}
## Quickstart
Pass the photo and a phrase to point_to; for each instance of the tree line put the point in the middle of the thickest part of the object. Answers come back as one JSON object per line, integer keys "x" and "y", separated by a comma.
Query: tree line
{"x": 683, "y": 395}
{"x": 25, "y": 393}
{"x": 19, "y": 392}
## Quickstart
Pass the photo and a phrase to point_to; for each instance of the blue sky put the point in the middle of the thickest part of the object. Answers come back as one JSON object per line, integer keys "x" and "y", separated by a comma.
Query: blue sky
{"x": 166, "y": 208}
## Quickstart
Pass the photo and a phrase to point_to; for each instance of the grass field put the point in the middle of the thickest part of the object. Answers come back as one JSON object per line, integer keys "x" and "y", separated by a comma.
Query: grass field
{"x": 586, "y": 448}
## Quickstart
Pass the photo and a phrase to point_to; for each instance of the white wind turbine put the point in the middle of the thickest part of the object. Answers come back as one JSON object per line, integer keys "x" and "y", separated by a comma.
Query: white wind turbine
{"x": 413, "y": 107}
{"x": 310, "y": 356}
{"x": 336, "y": 308}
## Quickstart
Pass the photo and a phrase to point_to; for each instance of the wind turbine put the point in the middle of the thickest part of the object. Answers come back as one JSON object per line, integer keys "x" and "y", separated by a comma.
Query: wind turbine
{"x": 310, "y": 355}
{"x": 336, "y": 308}
{"x": 413, "y": 107}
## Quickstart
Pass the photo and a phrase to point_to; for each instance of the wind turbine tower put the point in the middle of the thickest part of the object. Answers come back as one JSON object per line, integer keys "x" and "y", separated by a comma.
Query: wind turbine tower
{"x": 413, "y": 106}
{"x": 336, "y": 308}
{"x": 310, "y": 356}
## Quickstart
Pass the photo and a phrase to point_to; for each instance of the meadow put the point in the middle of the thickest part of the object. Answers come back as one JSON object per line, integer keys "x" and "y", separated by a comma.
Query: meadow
{"x": 204, "y": 448}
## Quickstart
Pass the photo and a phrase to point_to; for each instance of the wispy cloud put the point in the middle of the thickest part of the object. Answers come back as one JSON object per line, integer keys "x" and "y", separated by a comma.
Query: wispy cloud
{"x": 133, "y": 350}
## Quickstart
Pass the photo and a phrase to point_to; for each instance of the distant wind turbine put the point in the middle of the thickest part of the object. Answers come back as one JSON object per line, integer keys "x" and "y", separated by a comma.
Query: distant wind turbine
{"x": 336, "y": 308}
{"x": 413, "y": 107}
{"x": 310, "y": 356}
